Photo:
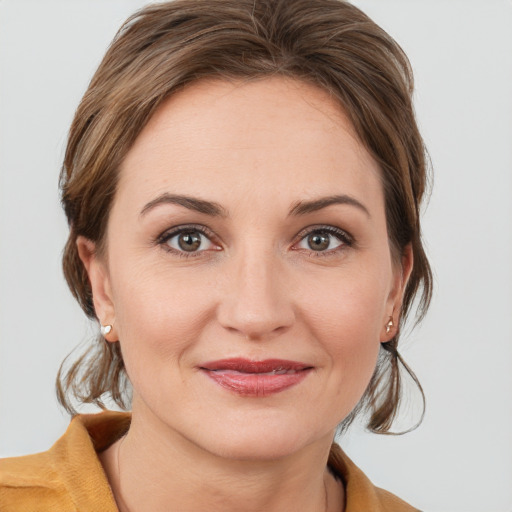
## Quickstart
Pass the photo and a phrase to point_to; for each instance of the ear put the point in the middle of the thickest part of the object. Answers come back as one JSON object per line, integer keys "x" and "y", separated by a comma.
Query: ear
{"x": 402, "y": 272}
{"x": 100, "y": 284}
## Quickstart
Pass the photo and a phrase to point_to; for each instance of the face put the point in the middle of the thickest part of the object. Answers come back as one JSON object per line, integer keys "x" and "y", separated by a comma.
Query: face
{"x": 248, "y": 272}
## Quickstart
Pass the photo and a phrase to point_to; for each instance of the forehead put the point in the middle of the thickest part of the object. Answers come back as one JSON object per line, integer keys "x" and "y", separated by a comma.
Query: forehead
{"x": 270, "y": 135}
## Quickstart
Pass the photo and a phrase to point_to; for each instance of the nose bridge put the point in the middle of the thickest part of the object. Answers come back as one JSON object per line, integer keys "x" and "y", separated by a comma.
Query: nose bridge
{"x": 257, "y": 303}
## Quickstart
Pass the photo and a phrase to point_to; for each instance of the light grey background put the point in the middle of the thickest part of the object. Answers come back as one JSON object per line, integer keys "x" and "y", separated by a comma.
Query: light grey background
{"x": 460, "y": 459}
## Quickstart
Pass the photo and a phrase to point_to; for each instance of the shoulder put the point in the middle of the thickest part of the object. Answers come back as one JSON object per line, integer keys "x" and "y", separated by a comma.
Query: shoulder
{"x": 32, "y": 483}
{"x": 392, "y": 503}
{"x": 361, "y": 494}
{"x": 68, "y": 476}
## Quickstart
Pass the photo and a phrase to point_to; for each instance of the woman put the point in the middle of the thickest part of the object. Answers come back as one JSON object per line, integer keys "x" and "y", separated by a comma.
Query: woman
{"x": 242, "y": 182}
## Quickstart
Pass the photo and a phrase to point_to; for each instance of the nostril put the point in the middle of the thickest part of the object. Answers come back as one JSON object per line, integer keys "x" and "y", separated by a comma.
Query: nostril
{"x": 255, "y": 326}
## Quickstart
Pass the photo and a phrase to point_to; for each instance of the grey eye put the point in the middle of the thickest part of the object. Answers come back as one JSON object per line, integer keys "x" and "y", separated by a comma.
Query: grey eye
{"x": 319, "y": 241}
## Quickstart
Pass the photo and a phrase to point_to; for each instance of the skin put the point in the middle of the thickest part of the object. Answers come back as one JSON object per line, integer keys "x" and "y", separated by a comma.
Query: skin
{"x": 254, "y": 288}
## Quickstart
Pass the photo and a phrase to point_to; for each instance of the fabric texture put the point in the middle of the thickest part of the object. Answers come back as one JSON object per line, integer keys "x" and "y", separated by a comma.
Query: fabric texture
{"x": 69, "y": 476}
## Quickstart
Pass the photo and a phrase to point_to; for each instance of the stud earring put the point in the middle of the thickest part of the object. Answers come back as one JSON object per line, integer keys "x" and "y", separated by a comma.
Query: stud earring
{"x": 105, "y": 329}
{"x": 389, "y": 325}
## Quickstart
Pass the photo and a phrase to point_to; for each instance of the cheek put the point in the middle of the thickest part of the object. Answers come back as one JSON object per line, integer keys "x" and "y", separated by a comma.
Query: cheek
{"x": 346, "y": 320}
{"x": 160, "y": 315}
{"x": 348, "y": 305}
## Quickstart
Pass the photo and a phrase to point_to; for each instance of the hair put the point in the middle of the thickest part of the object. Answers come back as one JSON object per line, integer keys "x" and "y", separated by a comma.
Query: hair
{"x": 162, "y": 48}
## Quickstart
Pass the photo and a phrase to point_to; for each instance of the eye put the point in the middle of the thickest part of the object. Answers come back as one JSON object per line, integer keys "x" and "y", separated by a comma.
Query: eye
{"x": 187, "y": 240}
{"x": 325, "y": 239}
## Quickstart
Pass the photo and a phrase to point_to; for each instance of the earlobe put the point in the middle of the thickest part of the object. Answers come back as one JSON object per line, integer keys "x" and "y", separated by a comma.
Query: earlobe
{"x": 100, "y": 285}
{"x": 395, "y": 299}
{"x": 390, "y": 325}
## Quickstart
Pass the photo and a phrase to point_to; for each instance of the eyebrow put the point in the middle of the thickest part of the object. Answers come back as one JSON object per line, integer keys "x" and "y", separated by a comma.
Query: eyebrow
{"x": 216, "y": 210}
{"x": 192, "y": 203}
{"x": 304, "y": 207}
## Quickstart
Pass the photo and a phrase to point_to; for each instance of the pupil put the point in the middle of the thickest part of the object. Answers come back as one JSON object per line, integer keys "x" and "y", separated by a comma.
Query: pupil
{"x": 189, "y": 241}
{"x": 318, "y": 241}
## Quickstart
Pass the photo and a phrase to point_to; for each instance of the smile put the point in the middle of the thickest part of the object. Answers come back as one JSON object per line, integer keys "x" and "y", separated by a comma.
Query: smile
{"x": 256, "y": 378}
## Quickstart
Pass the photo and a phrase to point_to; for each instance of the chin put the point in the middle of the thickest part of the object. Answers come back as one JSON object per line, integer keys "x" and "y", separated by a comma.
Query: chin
{"x": 258, "y": 446}
{"x": 260, "y": 439}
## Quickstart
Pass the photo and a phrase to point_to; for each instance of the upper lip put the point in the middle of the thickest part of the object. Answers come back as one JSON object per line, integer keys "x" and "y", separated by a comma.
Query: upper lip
{"x": 250, "y": 366}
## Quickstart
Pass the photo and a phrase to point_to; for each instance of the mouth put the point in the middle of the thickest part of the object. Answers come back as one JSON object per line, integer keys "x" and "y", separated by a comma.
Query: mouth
{"x": 256, "y": 378}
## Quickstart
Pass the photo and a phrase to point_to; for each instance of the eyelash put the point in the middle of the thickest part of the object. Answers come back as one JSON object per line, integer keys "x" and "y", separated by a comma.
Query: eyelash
{"x": 346, "y": 239}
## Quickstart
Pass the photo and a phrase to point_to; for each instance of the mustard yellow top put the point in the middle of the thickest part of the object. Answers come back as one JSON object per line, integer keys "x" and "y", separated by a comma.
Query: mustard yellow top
{"x": 69, "y": 476}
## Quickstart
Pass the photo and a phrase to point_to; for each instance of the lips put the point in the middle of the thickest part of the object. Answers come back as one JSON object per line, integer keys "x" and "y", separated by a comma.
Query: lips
{"x": 256, "y": 378}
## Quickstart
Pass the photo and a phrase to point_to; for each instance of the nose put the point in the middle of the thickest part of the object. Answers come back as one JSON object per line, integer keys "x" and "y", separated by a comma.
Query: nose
{"x": 256, "y": 303}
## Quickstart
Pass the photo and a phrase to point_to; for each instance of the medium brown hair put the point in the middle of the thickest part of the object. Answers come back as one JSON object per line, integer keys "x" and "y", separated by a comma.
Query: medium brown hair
{"x": 164, "y": 47}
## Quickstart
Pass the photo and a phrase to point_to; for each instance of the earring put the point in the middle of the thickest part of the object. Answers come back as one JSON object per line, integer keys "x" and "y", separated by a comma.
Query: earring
{"x": 105, "y": 329}
{"x": 389, "y": 325}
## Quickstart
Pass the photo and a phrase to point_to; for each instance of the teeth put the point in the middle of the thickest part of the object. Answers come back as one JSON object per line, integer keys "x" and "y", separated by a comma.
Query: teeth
{"x": 279, "y": 372}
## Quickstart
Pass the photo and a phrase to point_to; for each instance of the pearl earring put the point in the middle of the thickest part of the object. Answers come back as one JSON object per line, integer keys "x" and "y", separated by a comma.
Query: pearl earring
{"x": 389, "y": 325}
{"x": 105, "y": 329}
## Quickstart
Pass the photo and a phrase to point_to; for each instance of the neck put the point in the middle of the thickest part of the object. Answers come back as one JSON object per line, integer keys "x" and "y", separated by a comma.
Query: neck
{"x": 155, "y": 470}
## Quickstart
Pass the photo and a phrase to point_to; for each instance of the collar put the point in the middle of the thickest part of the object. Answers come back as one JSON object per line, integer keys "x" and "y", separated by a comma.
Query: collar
{"x": 75, "y": 453}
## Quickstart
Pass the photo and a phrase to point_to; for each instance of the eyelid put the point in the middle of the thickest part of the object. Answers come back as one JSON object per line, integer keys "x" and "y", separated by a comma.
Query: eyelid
{"x": 344, "y": 235}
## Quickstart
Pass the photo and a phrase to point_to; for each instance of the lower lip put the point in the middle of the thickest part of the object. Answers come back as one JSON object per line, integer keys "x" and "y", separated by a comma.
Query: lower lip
{"x": 256, "y": 384}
